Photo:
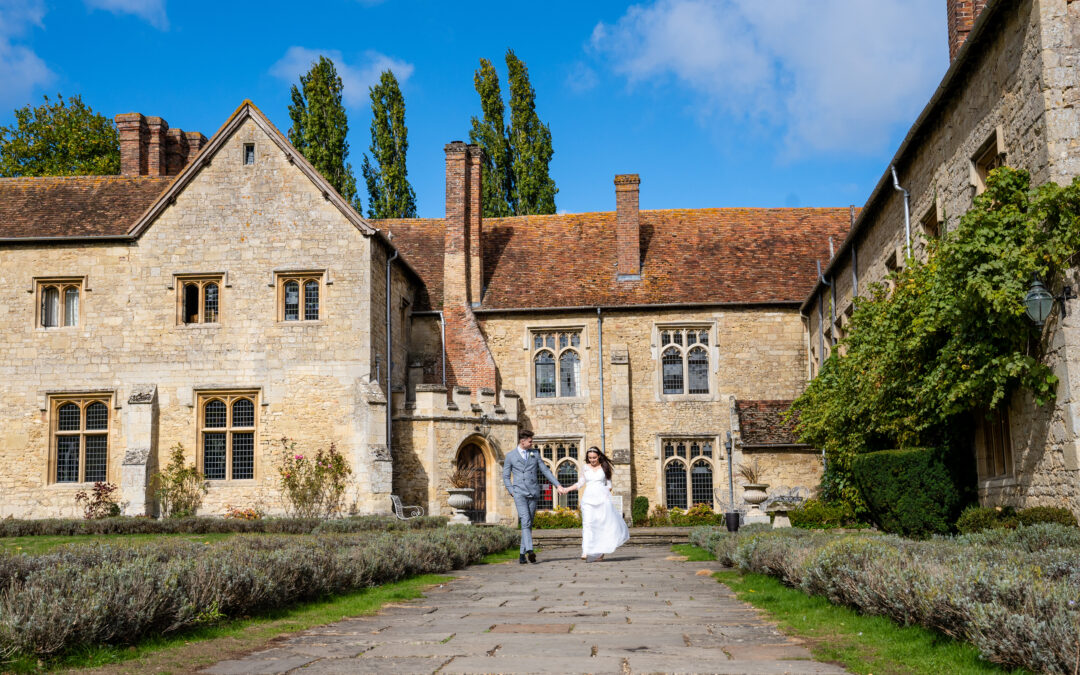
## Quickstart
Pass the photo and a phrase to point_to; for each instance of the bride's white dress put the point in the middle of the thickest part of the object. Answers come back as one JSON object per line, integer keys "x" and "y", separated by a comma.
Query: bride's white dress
{"x": 602, "y": 526}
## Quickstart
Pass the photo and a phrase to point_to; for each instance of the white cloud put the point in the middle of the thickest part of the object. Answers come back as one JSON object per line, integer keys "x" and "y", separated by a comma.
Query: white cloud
{"x": 829, "y": 75}
{"x": 21, "y": 70}
{"x": 151, "y": 11}
{"x": 581, "y": 78}
{"x": 355, "y": 78}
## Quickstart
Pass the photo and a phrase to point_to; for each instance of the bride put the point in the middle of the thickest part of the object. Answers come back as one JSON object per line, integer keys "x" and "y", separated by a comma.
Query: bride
{"x": 602, "y": 526}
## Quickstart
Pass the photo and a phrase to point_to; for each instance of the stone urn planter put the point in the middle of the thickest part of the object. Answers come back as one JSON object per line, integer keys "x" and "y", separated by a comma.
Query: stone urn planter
{"x": 754, "y": 494}
{"x": 460, "y": 500}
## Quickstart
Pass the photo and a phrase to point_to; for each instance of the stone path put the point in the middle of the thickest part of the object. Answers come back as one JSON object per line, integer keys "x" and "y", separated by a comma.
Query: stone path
{"x": 637, "y": 612}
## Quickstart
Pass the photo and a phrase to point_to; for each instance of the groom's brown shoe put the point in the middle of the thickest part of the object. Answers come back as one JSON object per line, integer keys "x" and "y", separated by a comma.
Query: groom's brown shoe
{"x": 532, "y": 557}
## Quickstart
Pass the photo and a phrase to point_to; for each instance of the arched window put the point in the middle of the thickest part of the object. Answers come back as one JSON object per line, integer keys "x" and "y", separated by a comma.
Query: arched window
{"x": 568, "y": 475}
{"x": 684, "y": 363}
{"x": 675, "y": 485}
{"x": 210, "y": 303}
{"x": 311, "y": 300}
{"x": 50, "y": 307}
{"x": 701, "y": 484}
{"x": 71, "y": 306}
{"x": 569, "y": 373}
{"x": 292, "y": 301}
{"x": 545, "y": 374}
{"x": 81, "y": 430}
{"x": 566, "y": 455}
{"x": 673, "y": 371}
{"x": 560, "y": 356}
{"x": 200, "y": 299}
{"x": 228, "y": 436}
{"x": 547, "y": 494}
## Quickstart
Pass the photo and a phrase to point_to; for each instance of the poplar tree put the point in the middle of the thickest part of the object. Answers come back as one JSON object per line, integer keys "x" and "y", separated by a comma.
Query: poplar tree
{"x": 530, "y": 145}
{"x": 320, "y": 125}
{"x": 389, "y": 193}
{"x": 65, "y": 138}
{"x": 490, "y": 134}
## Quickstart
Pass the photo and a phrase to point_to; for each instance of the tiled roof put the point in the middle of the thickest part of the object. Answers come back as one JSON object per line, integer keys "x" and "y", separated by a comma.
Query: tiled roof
{"x": 688, "y": 256}
{"x": 762, "y": 423}
{"x": 75, "y": 206}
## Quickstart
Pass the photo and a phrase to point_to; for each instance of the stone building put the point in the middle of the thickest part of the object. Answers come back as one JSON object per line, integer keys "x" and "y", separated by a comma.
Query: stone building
{"x": 220, "y": 295}
{"x": 1009, "y": 97}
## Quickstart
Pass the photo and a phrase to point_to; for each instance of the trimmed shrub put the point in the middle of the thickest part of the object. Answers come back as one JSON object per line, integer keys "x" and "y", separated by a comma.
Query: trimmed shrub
{"x": 1034, "y": 515}
{"x": 10, "y": 527}
{"x": 108, "y": 594}
{"x": 816, "y": 514}
{"x": 910, "y": 492}
{"x": 1033, "y": 539}
{"x": 640, "y": 510}
{"x": 561, "y": 518}
{"x": 700, "y": 514}
{"x": 980, "y": 518}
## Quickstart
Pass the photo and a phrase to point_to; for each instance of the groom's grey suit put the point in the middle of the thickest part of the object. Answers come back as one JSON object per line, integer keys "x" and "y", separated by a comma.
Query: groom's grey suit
{"x": 525, "y": 488}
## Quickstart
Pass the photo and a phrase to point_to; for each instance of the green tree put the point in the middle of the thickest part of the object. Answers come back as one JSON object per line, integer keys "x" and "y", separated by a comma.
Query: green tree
{"x": 320, "y": 125}
{"x": 389, "y": 193}
{"x": 490, "y": 134}
{"x": 530, "y": 145}
{"x": 65, "y": 138}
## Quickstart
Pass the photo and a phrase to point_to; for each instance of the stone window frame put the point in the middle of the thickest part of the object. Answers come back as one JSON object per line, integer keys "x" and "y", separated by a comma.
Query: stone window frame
{"x": 302, "y": 277}
{"x": 990, "y": 155}
{"x": 244, "y": 154}
{"x": 583, "y": 348}
{"x": 998, "y": 423}
{"x": 228, "y": 397}
{"x": 689, "y": 461}
{"x": 181, "y": 281}
{"x": 555, "y": 462}
{"x": 83, "y": 400}
{"x": 712, "y": 351}
{"x": 932, "y": 223}
{"x": 62, "y": 284}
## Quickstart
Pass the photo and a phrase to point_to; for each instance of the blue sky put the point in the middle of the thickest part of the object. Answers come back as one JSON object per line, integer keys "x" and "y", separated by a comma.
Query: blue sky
{"x": 713, "y": 102}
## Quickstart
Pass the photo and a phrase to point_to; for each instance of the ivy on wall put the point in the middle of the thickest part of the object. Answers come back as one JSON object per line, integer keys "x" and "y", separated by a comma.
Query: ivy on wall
{"x": 951, "y": 338}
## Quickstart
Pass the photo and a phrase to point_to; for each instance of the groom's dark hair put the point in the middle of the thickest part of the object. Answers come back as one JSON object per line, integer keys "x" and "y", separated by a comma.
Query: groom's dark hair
{"x": 524, "y": 433}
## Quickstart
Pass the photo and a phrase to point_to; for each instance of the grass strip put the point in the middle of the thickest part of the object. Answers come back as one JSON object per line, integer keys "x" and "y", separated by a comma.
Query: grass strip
{"x": 693, "y": 553}
{"x": 862, "y": 644}
{"x": 189, "y": 650}
{"x": 509, "y": 555}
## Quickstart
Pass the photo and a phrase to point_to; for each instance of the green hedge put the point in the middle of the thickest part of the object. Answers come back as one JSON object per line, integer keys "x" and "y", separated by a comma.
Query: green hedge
{"x": 639, "y": 511}
{"x": 203, "y": 525}
{"x": 96, "y": 593}
{"x": 816, "y": 514}
{"x": 912, "y": 492}
{"x": 979, "y": 518}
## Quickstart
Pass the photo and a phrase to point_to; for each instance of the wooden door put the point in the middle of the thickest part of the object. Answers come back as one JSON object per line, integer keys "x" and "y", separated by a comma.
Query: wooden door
{"x": 472, "y": 456}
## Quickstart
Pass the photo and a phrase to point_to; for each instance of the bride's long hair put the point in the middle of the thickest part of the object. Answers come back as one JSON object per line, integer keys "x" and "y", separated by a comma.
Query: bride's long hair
{"x": 605, "y": 463}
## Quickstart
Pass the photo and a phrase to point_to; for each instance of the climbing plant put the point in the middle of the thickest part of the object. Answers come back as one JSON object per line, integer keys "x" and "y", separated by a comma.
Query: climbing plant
{"x": 948, "y": 336}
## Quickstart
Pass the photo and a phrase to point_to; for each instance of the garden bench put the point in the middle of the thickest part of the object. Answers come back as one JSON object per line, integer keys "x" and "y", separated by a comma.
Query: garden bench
{"x": 405, "y": 512}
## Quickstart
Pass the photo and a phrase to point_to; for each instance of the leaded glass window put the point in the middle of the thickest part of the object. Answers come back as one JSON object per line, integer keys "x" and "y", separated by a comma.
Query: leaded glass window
{"x": 557, "y": 363}
{"x": 300, "y": 296}
{"x": 81, "y": 440}
{"x": 311, "y": 300}
{"x": 566, "y": 454}
{"x": 688, "y": 467}
{"x": 701, "y": 484}
{"x": 675, "y": 485}
{"x": 58, "y": 303}
{"x": 228, "y": 436}
{"x": 568, "y": 475}
{"x": 292, "y": 301}
{"x": 200, "y": 299}
{"x": 684, "y": 361}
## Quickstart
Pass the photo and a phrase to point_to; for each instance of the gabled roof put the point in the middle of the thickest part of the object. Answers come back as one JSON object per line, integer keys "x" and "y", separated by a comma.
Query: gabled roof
{"x": 82, "y": 207}
{"x": 762, "y": 424}
{"x": 74, "y": 206}
{"x": 689, "y": 256}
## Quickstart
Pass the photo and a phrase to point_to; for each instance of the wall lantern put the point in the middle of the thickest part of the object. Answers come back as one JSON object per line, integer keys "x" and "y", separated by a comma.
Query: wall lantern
{"x": 1038, "y": 303}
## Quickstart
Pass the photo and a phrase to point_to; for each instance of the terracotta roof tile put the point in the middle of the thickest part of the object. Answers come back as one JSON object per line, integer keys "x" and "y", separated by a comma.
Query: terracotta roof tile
{"x": 762, "y": 423}
{"x": 75, "y": 206}
{"x": 688, "y": 256}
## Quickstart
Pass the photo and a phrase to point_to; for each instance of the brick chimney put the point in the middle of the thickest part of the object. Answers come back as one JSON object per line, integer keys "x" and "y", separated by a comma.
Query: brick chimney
{"x": 469, "y": 361}
{"x": 627, "y": 227}
{"x": 148, "y": 147}
{"x": 961, "y": 15}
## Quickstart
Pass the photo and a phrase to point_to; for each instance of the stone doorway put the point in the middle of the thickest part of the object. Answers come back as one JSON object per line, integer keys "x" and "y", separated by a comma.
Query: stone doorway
{"x": 472, "y": 456}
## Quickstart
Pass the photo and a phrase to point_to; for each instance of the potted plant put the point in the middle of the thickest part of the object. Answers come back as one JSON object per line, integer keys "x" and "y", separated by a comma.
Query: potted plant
{"x": 461, "y": 491}
{"x": 754, "y": 492}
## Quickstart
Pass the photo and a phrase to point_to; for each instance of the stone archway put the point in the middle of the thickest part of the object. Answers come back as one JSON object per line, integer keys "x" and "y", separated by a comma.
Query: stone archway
{"x": 472, "y": 456}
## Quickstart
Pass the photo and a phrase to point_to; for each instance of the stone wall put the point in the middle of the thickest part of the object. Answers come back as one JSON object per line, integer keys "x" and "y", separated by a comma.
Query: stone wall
{"x": 312, "y": 380}
{"x": 1017, "y": 89}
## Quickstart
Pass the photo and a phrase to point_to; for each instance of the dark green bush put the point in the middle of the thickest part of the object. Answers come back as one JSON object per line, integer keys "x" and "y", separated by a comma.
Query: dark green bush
{"x": 696, "y": 516}
{"x": 11, "y": 527}
{"x": 980, "y": 518}
{"x": 113, "y": 594}
{"x": 640, "y": 510}
{"x": 912, "y": 492}
{"x": 816, "y": 514}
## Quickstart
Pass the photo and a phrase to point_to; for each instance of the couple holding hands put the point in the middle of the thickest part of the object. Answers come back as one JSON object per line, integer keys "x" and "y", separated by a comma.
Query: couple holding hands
{"x": 602, "y": 526}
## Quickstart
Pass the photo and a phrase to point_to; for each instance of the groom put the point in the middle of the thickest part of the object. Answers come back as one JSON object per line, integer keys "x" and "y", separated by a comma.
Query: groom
{"x": 522, "y": 463}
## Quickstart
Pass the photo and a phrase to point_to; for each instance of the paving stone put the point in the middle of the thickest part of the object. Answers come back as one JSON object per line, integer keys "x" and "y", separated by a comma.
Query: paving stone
{"x": 635, "y": 613}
